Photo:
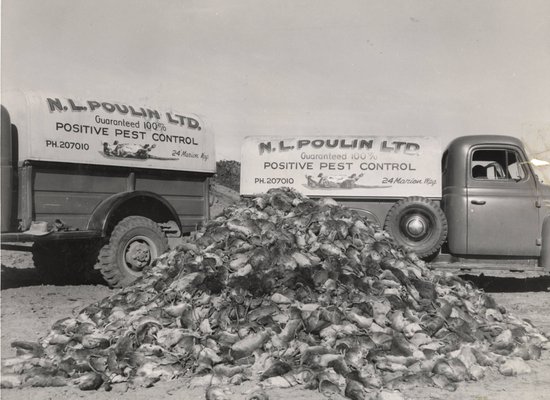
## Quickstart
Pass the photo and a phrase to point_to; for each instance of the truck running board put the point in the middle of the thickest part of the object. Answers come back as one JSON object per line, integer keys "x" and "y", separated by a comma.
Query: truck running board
{"x": 504, "y": 270}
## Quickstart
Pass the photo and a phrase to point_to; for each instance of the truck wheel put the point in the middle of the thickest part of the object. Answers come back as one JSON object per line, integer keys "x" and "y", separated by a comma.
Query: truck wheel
{"x": 417, "y": 224}
{"x": 61, "y": 263}
{"x": 135, "y": 242}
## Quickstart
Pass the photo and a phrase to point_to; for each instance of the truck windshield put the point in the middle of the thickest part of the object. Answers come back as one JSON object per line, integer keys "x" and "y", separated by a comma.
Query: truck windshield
{"x": 497, "y": 164}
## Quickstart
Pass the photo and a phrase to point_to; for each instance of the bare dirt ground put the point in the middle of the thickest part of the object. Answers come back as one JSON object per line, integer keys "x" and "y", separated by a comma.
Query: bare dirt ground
{"x": 29, "y": 308}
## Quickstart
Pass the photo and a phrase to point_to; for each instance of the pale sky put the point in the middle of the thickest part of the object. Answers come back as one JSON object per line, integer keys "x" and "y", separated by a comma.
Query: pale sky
{"x": 290, "y": 67}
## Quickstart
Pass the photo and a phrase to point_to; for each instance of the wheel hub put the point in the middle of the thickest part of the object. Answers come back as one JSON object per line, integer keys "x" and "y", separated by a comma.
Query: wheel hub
{"x": 138, "y": 255}
{"x": 416, "y": 227}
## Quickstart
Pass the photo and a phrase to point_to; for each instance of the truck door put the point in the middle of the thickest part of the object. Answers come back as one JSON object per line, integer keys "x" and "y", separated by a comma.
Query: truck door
{"x": 503, "y": 217}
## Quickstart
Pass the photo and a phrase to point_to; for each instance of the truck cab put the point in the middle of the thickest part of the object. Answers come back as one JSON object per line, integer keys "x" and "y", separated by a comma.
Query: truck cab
{"x": 494, "y": 203}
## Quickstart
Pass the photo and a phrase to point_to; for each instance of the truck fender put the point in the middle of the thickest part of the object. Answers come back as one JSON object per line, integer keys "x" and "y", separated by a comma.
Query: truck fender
{"x": 104, "y": 212}
{"x": 545, "y": 251}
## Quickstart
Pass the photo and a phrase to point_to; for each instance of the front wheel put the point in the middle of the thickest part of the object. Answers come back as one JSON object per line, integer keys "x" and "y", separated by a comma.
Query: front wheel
{"x": 417, "y": 224}
{"x": 134, "y": 243}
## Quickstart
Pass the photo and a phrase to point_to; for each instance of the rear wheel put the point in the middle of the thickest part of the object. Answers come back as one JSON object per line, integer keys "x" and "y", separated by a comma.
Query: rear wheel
{"x": 134, "y": 243}
{"x": 417, "y": 224}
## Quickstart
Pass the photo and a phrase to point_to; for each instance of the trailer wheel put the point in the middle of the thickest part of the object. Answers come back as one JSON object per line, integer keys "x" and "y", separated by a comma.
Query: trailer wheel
{"x": 134, "y": 243}
{"x": 417, "y": 224}
{"x": 68, "y": 262}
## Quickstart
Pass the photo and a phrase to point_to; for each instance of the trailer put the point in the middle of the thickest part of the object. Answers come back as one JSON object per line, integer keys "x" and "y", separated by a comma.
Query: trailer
{"x": 97, "y": 184}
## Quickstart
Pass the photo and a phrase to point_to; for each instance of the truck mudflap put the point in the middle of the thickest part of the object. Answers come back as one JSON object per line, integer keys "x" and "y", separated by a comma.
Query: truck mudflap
{"x": 101, "y": 216}
{"x": 544, "y": 261}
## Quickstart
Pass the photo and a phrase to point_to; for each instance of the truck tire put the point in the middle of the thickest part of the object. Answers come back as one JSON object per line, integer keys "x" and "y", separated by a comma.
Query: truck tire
{"x": 68, "y": 262}
{"x": 418, "y": 225}
{"x": 134, "y": 243}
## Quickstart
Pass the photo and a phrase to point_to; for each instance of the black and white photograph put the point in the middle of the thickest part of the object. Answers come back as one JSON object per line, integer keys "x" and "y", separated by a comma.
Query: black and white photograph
{"x": 274, "y": 199}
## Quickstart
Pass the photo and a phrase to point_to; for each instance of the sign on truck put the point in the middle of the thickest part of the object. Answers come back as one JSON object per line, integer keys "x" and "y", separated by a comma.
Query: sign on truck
{"x": 103, "y": 184}
{"x": 100, "y": 132}
{"x": 349, "y": 166}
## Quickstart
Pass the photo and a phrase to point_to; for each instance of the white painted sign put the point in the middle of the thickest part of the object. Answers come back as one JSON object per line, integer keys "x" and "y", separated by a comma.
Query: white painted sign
{"x": 350, "y": 166}
{"x": 96, "y": 131}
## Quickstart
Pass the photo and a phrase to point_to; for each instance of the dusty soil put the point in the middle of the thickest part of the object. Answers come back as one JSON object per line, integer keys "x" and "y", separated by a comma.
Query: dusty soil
{"x": 29, "y": 308}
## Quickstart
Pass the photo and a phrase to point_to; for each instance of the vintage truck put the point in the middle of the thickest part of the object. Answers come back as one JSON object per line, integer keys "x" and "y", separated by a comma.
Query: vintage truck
{"x": 476, "y": 204}
{"x": 95, "y": 184}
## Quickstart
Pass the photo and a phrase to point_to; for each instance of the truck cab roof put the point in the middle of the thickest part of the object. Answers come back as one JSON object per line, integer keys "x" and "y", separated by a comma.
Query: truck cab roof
{"x": 472, "y": 140}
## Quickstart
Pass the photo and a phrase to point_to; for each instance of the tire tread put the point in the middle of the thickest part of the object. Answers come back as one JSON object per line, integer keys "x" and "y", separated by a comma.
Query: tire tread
{"x": 107, "y": 264}
{"x": 439, "y": 215}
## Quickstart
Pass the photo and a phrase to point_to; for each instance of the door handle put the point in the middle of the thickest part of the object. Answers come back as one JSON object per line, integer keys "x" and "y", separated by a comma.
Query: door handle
{"x": 479, "y": 202}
